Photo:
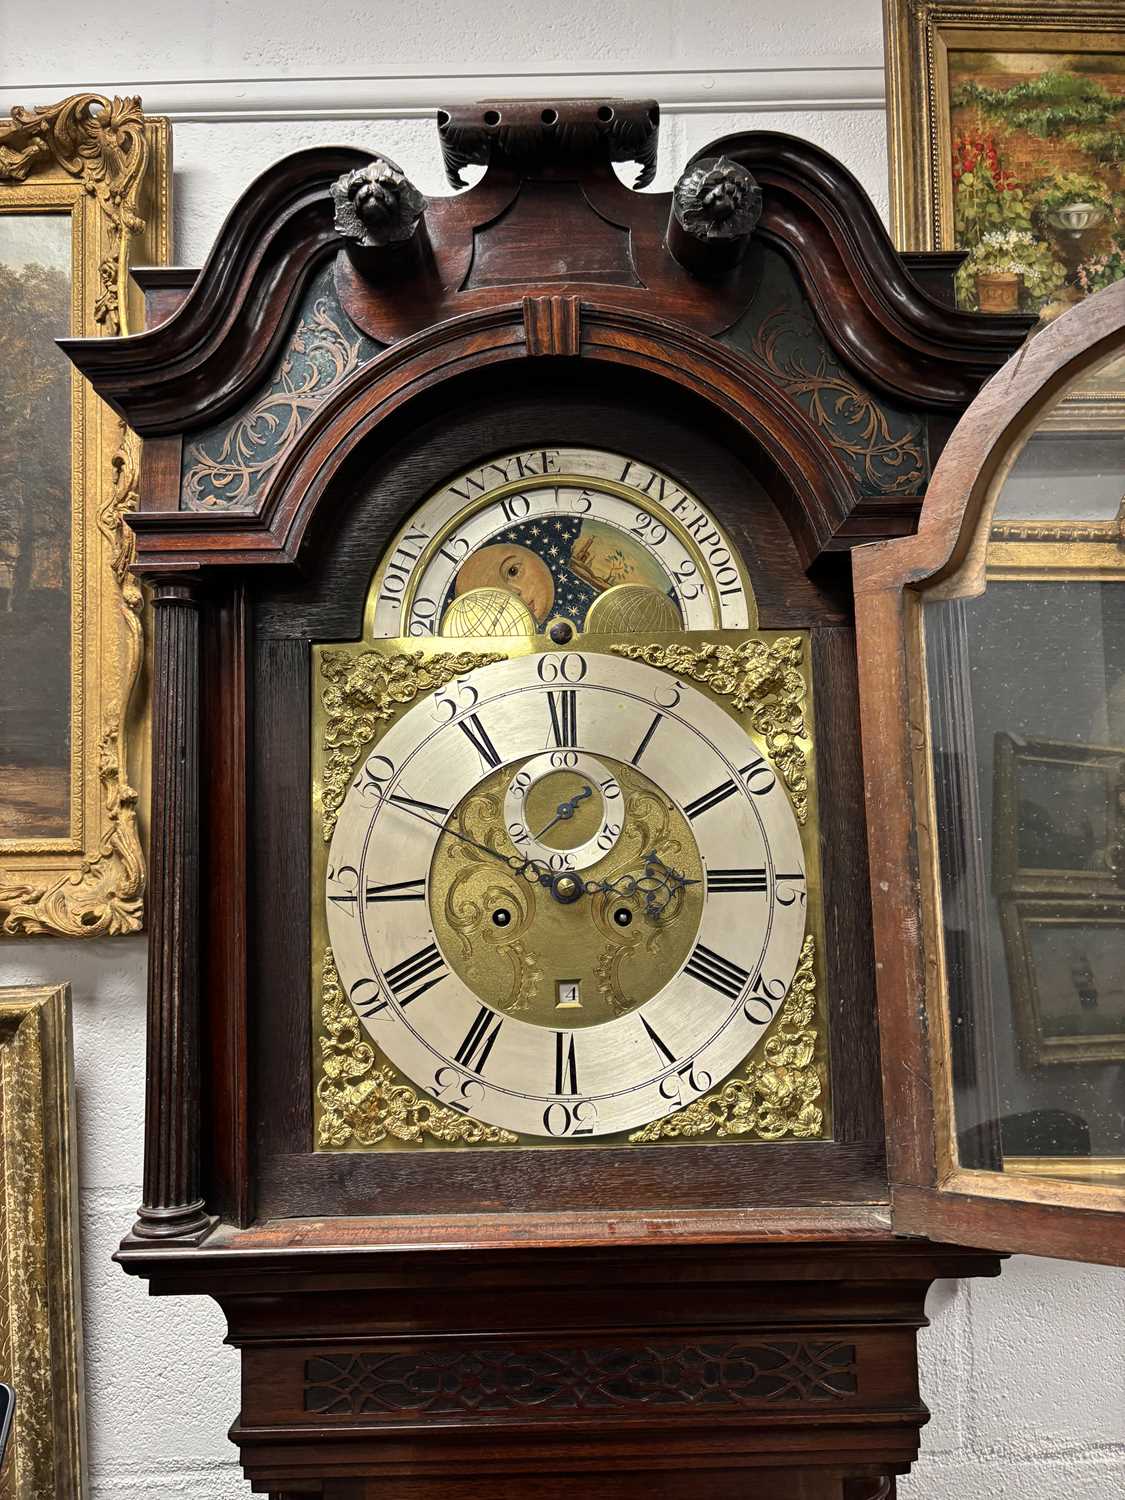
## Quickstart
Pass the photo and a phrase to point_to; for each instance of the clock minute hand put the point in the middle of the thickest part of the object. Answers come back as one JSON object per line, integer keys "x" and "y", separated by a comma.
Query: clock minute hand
{"x": 513, "y": 861}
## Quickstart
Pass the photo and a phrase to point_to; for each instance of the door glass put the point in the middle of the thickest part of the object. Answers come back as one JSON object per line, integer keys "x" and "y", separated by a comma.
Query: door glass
{"x": 1025, "y": 663}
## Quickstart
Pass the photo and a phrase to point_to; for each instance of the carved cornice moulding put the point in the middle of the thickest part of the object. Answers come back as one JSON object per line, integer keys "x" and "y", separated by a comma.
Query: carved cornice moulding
{"x": 893, "y": 311}
{"x": 887, "y": 329}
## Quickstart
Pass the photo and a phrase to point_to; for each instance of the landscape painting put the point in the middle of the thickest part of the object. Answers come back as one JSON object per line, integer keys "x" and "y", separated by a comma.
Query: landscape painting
{"x": 1038, "y": 176}
{"x": 35, "y": 527}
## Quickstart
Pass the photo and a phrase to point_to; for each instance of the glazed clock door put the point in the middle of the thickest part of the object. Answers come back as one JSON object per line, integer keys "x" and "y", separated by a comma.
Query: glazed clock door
{"x": 1011, "y": 648}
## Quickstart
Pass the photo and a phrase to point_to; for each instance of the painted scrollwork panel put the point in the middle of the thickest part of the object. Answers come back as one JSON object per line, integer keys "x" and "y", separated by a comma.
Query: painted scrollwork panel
{"x": 227, "y": 467}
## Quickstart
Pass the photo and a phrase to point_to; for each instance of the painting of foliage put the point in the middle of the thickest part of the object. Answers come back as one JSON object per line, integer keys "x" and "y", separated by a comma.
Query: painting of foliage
{"x": 1038, "y": 165}
{"x": 35, "y": 494}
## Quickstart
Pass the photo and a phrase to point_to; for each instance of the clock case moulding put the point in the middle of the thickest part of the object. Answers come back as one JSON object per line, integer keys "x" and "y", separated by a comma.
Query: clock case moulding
{"x": 460, "y": 1329}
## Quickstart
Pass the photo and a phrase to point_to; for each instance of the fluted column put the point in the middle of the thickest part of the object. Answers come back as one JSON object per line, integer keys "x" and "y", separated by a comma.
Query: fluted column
{"x": 173, "y": 1207}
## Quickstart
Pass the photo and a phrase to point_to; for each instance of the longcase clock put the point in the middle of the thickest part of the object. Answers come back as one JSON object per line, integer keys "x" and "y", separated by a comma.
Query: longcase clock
{"x": 517, "y": 1049}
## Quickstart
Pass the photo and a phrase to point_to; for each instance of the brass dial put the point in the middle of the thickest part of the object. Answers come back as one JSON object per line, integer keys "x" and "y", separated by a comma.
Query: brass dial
{"x": 551, "y": 957}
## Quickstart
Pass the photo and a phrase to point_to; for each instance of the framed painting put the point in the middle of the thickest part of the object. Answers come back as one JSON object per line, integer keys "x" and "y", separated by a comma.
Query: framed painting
{"x": 40, "y": 1297}
{"x": 85, "y": 189}
{"x": 1007, "y": 141}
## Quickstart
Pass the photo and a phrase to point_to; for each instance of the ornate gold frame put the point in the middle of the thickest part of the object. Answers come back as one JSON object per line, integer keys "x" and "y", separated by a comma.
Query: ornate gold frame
{"x": 110, "y": 169}
{"x": 40, "y": 1307}
{"x": 917, "y": 38}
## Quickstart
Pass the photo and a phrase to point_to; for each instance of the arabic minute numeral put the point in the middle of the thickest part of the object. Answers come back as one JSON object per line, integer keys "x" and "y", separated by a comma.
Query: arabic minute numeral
{"x": 789, "y": 888}
{"x": 456, "y": 1090}
{"x": 685, "y": 1084}
{"x": 570, "y": 1119}
{"x": 567, "y": 668}
{"x": 717, "y": 972}
{"x": 761, "y": 1004}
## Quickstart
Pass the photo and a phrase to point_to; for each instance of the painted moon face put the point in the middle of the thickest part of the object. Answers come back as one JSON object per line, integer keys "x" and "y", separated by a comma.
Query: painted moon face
{"x": 511, "y": 567}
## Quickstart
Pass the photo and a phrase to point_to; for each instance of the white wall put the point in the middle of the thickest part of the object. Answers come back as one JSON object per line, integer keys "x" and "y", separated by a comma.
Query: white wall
{"x": 1025, "y": 1375}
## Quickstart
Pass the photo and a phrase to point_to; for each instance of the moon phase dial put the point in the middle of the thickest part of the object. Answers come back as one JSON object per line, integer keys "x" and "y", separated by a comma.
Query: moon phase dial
{"x": 566, "y": 895}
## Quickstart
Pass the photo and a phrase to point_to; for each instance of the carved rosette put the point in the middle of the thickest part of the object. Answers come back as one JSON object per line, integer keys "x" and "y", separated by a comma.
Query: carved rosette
{"x": 777, "y": 1095}
{"x": 362, "y": 1102}
{"x": 763, "y": 681}
{"x": 363, "y": 691}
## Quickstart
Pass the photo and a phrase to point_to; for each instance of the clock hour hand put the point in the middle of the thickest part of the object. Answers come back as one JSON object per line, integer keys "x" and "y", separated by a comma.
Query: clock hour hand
{"x": 565, "y": 810}
{"x": 658, "y": 885}
{"x": 513, "y": 861}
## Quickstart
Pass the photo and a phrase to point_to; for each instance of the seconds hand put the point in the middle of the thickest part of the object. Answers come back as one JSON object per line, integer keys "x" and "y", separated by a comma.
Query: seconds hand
{"x": 566, "y": 810}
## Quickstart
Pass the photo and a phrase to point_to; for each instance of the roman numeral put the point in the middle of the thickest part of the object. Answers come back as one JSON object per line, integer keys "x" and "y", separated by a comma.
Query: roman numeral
{"x": 727, "y": 789}
{"x": 712, "y": 969}
{"x": 416, "y": 974}
{"x": 711, "y": 799}
{"x": 668, "y": 1056}
{"x": 473, "y": 1051}
{"x": 402, "y": 890}
{"x": 477, "y": 736}
{"x": 566, "y": 1067}
{"x": 649, "y": 732}
{"x": 400, "y": 799}
{"x": 719, "y": 881}
{"x": 563, "y": 707}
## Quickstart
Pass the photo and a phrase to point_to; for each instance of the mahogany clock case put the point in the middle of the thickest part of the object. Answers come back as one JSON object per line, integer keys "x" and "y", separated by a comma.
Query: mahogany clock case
{"x": 763, "y": 1274}
{"x": 479, "y": 417}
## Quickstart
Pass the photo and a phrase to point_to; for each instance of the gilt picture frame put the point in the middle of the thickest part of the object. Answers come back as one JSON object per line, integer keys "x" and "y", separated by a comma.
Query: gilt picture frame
{"x": 1006, "y": 135}
{"x": 40, "y": 1293}
{"x": 85, "y": 191}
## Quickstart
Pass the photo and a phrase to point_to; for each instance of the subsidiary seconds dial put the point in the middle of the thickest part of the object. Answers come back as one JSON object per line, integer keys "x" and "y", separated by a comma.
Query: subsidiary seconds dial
{"x": 565, "y": 894}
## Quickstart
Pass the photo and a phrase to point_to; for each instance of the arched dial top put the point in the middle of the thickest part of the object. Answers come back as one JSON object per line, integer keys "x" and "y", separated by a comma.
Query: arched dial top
{"x": 550, "y": 539}
{"x": 553, "y": 1001}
